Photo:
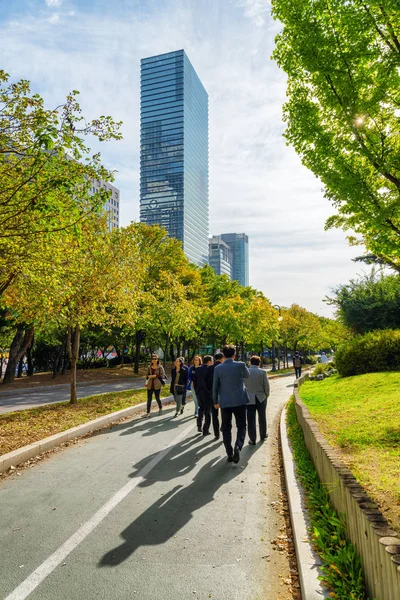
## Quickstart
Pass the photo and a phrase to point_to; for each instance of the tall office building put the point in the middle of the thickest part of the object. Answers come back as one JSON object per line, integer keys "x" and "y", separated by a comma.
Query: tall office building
{"x": 239, "y": 245}
{"x": 174, "y": 151}
{"x": 220, "y": 256}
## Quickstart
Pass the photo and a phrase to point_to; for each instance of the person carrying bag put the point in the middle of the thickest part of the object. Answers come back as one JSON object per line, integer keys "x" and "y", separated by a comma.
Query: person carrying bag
{"x": 155, "y": 379}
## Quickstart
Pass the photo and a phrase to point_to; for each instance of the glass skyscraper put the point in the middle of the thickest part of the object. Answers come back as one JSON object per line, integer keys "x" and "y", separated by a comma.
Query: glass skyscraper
{"x": 174, "y": 151}
{"x": 239, "y": 245}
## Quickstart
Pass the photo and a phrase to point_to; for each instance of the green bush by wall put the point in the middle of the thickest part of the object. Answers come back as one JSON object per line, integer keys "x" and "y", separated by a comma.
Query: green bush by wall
{"x": 370, "y": 353}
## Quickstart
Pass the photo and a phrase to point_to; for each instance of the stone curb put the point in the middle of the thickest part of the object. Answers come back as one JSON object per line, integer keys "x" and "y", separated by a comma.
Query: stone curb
{"x": 21, "y": 455}
{"x": 308, "y": 561}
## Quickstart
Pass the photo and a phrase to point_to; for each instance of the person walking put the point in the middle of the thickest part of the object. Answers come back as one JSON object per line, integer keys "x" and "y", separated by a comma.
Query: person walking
{"x": 185, "y": 368}
{"x": 155, "y": 379}
{"x": 218, "y": 359}
{"x": 323, "y": 358}
{"x": 179, "y": 379}
{"x": 230, "y": 394}
{"x": 196, "y": 363}
{"x": 297, "y": 362}
{"x": 203, "y": 396}
{"x": 257, "y": 387}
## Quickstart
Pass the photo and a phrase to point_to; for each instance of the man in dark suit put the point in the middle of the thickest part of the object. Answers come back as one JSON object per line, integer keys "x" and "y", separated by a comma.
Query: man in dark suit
{"x": 218, "y": 359}
{"x": 203, "y": 395}
{"x": 230, "y": 394}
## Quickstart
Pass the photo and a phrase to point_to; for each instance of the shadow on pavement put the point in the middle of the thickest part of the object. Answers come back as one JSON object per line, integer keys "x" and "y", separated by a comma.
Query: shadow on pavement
{"x": 172, "y": 511}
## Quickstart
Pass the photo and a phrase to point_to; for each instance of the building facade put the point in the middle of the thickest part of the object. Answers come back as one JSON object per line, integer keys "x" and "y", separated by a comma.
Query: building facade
{"x": 239, "y": 245}
{"x": 112, "y": 205}
{"x": 220, "y": 256}
{"x": 174, "y": 151}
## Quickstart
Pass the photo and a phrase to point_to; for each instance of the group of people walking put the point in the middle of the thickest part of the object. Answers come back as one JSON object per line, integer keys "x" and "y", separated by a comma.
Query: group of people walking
{"x": 221, "y": 386}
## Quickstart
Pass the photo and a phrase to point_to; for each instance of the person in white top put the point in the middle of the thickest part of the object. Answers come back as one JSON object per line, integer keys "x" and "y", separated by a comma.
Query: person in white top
{"x": 324, "y": 358}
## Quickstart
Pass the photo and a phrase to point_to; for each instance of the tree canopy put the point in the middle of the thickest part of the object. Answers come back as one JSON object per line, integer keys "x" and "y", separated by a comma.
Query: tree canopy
{"x": 369, "y": 302}
{"x": 343, "y": 110}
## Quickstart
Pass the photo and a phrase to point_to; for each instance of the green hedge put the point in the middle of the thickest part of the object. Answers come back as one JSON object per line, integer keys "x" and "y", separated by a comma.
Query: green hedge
{"x": 370, "y": 353}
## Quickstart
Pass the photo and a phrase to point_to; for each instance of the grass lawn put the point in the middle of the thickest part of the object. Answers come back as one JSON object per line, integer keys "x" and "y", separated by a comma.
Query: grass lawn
{"x": 23, "y": 427}
{"x": 361, "y": 416}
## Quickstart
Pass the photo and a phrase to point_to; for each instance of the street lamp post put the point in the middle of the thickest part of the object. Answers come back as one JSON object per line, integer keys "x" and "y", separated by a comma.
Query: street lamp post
{"x": 277, "y": 307}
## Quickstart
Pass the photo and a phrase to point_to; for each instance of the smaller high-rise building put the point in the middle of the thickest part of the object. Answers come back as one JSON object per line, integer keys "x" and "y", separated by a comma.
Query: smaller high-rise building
{"x": 239, "y": 245}
{"x": 112, "y": 205}
{"x": 220, "y": 256}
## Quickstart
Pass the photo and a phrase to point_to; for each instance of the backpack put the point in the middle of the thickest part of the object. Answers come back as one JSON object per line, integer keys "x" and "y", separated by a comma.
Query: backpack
{"x": 297, "y": 362}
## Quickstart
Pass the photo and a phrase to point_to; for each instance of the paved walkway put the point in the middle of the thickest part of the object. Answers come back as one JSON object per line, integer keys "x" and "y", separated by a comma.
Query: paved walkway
{"x": 29, "y": 398}
{"x": 150, "y": 510}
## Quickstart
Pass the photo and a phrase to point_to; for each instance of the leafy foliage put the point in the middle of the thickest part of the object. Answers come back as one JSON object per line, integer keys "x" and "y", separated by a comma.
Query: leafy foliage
{"x": 370, "y": 353}
{"x": 368, "y": 303}
{"x": 342, "y": 569}
{"x": 342, "y": 60}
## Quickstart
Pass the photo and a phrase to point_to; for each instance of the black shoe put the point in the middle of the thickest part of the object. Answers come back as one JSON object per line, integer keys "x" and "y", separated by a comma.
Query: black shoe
{"x": 230, "y": 459}
{"x": 265, "y": 437}
{"x": 206, "y": 433}
{"x": 236, "y": 455}
{"x": 181, "y": 411}
{"x": 199, "y": 429}
{"x": 175, "y": 415}
{"x": 216, "y": 437}
{"x": 252, "y": 443}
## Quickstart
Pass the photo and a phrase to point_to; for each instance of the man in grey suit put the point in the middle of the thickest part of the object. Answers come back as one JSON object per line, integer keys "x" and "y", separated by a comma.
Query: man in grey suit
{"x": 258, "y": 389}
{"x": 230, "y": 394}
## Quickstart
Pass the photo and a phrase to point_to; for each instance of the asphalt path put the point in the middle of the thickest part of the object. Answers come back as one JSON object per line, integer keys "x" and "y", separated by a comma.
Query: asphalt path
{"x": 28, "y": 398}
{"x": 148, "y": 509}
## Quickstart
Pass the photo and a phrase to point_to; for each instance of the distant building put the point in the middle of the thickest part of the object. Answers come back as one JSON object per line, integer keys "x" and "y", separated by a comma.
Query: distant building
{"x": 174, "y": 151}
{"x": 112, "y": 205}
{"x": 220, "y": 256}
{"x": 239, "y": 245}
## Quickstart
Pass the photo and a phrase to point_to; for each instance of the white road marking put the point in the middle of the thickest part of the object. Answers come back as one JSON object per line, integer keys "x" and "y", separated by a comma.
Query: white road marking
{"x": 48, "y": 566}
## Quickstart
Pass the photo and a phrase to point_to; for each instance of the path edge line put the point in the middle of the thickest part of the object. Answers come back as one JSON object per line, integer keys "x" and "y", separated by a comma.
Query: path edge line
{"x": 21, "y": 455}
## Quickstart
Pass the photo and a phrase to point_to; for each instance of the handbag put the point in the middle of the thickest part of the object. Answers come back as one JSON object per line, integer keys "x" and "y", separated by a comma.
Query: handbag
{"x": 162, "y": 380}
{"x": 179, "y": 389}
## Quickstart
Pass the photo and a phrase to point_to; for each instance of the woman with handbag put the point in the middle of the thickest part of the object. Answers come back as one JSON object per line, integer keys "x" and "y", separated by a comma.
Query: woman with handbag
{"x": 155, "y": 378}
{"x": 179, "y": 379}
{"x": 196, "y": 363}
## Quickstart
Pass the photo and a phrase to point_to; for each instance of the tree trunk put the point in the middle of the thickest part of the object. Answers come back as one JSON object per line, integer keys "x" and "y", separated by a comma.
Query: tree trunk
{"x": 73, "y": 351}
{"x": 178, "y": 349}
{"x": 17, "y": 350}
{"x": 138, "y": 340}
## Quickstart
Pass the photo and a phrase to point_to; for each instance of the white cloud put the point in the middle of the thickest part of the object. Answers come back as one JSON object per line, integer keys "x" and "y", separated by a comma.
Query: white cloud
{"x": 54, "y": 19}
{"x": 52, "y": 3}
{"x": 257, "y": 183}
{"x": 256, "y": 10}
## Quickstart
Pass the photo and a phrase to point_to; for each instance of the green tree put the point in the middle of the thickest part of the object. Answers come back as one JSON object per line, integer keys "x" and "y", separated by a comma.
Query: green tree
{"x": 368, "y": 303}
{"x": 46, "y": 173}
{"x": 342, "y": 114}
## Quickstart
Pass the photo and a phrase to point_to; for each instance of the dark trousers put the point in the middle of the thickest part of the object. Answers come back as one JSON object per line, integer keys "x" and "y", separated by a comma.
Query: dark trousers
{"x": 204, "y": 401}
{"x": 215, "y": 420}
{"x": 150, "y": 396}
{"x": 261, "y": 409}
{"x": 240, "y": 418}
{"x": 297, "y": 370}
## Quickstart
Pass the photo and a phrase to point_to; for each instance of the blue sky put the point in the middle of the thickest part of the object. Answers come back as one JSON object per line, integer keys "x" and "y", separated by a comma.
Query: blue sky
{"x": 257, "y": 183}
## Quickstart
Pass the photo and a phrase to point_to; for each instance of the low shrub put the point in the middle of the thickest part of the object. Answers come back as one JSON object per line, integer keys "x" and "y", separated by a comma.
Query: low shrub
{"x": 322, "y": 368}
{"x": 370, "y": 353}
{"x": 310, "y": 360}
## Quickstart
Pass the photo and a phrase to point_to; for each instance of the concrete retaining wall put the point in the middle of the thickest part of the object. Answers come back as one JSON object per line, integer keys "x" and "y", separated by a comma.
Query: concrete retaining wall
{"x": 367, "y": 528}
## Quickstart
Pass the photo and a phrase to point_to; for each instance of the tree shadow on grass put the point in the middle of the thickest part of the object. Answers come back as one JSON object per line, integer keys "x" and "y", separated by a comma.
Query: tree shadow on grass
{"x": 171, "y": 512}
